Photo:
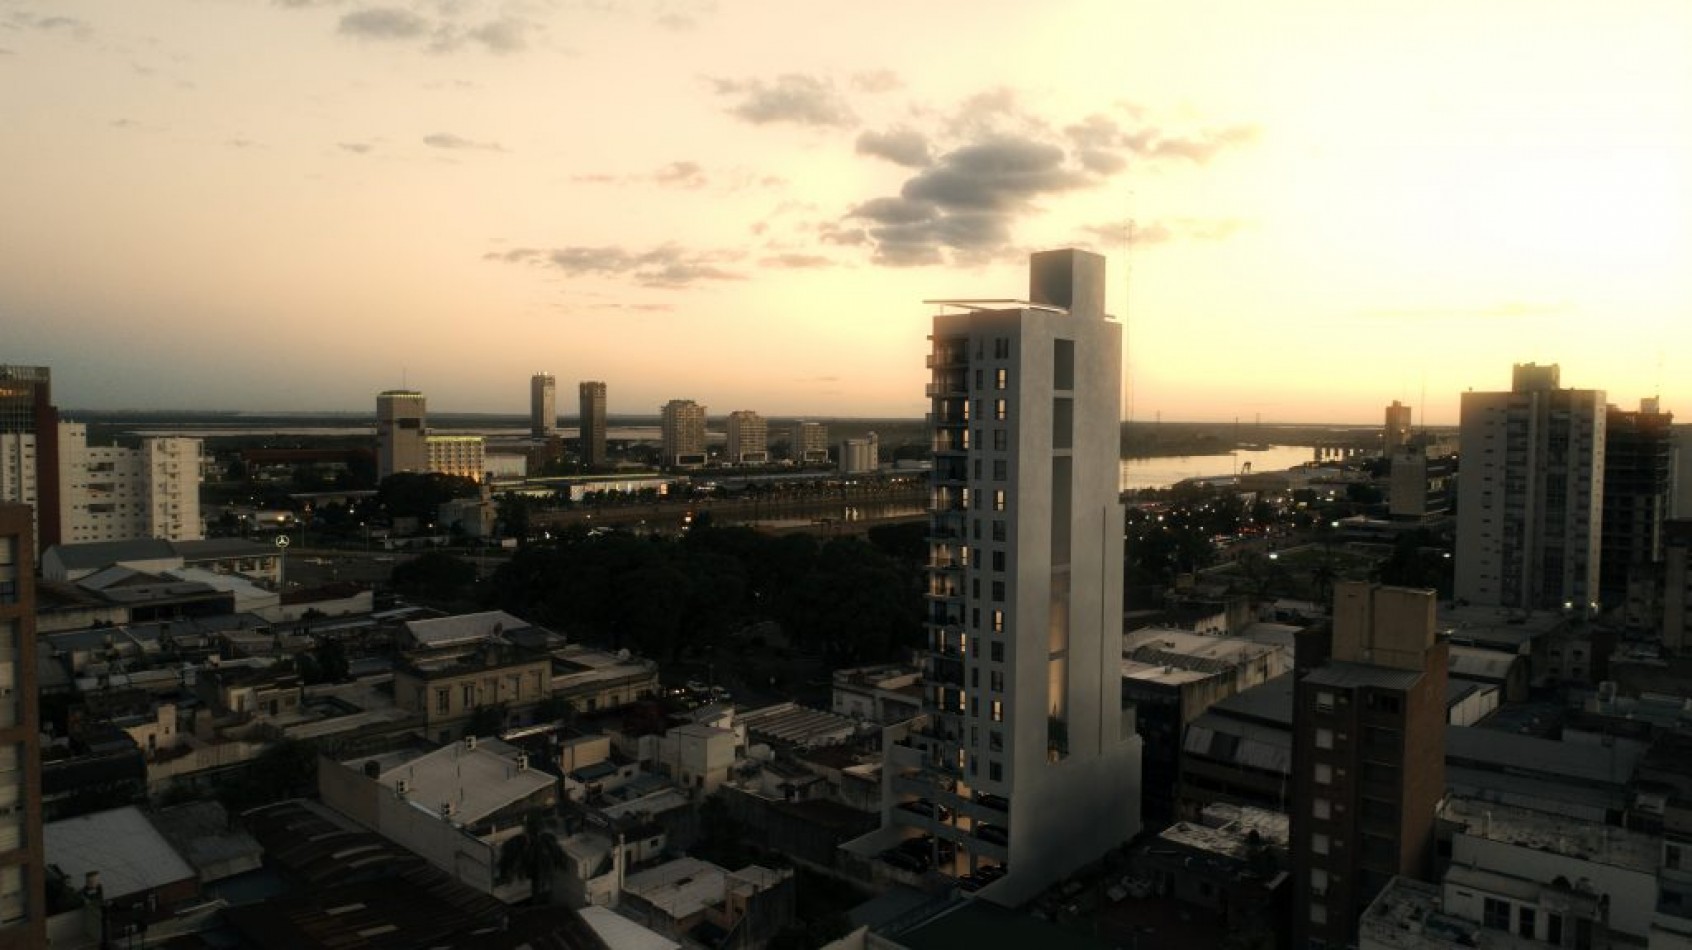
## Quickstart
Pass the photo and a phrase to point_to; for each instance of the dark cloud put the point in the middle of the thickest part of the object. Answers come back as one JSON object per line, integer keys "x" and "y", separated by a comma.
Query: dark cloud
{"x": 449, "y": 141}
{"x": 62, "y": 25}
{"x": 666, "y": 266}
{"x": 680, "y": 175}
{"x": 877, "y": 81}
{"x": 385, "y": 23}
{"x": 797, "y": 261}
{"x": 505, "y": 35}
{"x": 1101, "y": 137}
{"x": 793, "y": 97}
{"x": 901, "y": 146}
{"x": 357, "y": 148}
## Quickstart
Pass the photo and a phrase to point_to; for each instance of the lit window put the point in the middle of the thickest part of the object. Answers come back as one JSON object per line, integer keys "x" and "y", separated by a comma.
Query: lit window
{"x": 998, "y": 621}
{"x": 1318, "y": 843}
{"x": 999, "y": 409}
{"x": 1321, "y": 809}
{"x": 1324, "y": 773}
{"x": 1324, "y": 738}
{"x": 1325, "y": 701}
{"x": 1318, "y": 882}
{"x": 998, "y": 499}
{"x": 1001, "y": 379}
{"x": 1318, "y": 912}
{"x": 998, "y": 710}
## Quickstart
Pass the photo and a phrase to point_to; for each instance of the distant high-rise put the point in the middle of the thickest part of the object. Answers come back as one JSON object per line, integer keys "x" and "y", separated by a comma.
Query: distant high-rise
{"x": 1530, "y": 497}
{"x": 23, "y": 904}
{"x": 112, "y": 493}
{"x": 1024, "y": 735}
{"x": 1638, "y": 497}
{"x": 543, "y": 405}
{"x": 748, "y": 438}
{"x": 1397, "y": 427}
{"x": 808, "y": 443}
{"x": 29, "y": 447}
{"x": 1368, "y": 756}
{"x": 401, "y": 436}
{"x": 593, "y": 424}
{"x": 860, "y": 456}
{"x": 683, "y": 433}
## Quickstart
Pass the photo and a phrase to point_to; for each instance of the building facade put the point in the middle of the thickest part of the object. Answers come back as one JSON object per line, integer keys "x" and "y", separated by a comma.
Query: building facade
{"x": 808, "y": 443}
{"x": 1025, "y": 740}
{"x": 1530, "y": 500}
{"x": 748, "y": 438}
{"x": 1368, "y": 764}
{"x": 112, "y": 493}
{"x": 23, "y": 906}
{"x": 860, "y": 456}
{"x": 683, "y": 433}
{"x": 543, "y": 405}
{"x": 401, "y": 435}
{"x": 462, "y": 455}
{"x": 1397, "y": 430}
{"x": 1638, "y": 497}
{"x": 593, "y": 423}
{"x": 29, "y": 447}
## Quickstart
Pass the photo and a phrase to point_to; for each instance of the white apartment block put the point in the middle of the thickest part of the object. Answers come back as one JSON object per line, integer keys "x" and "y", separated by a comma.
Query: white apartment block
{"x": 809, "y": 442}
{"x": 18, "y": 469}
{"x": 748, "y": 438}
{"x": 683, "y": 429}
{"x": 1531, "y": 497}
{"x": 461, "y": 455}
{"x": 110, "y": 493}
{"x": 1025, "y": 756}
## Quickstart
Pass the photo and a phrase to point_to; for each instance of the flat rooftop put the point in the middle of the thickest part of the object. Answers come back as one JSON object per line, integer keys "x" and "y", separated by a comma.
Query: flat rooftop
{"x": 1570, "y": 837}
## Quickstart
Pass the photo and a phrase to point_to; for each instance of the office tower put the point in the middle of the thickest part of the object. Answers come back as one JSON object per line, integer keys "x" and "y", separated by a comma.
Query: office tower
{"x": 23, "y": 902}
{"x": 808, "y": 442}
{"x": 1025, "y": 739}
{"x": 543, "y": 405}
{"x": 29, "y": 446}
{"x": 113, "y": 493}
{"x": 1530, "y": 499}
{"x": 1397, "y": 427}
{"x": 683, "y": 433}
{"x": 593, "y": 424}
{"x": 860, "y": 456}
{"x": 400, "y": 433}
{"x": 748, "y": 438}
{"x": 462, "y": 455}
{"x": 1638, "y": 496}
{"x": 1368, "y": 756}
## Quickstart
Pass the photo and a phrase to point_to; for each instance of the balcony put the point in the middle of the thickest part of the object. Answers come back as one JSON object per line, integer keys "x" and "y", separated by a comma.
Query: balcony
{"x": 948, "y": 357}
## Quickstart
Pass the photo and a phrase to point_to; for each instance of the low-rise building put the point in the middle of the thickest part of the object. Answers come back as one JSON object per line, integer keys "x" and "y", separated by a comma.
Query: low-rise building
{"x": 888, "y": 693}
{"x": 445, "y": 690}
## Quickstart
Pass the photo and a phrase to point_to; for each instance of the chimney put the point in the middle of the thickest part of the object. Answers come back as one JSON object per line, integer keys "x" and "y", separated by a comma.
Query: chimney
{"x": 522, "y": 761}
{"x": 469, "y": 743}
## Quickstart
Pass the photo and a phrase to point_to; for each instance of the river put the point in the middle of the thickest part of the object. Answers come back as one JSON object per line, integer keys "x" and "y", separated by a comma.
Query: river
{"x": 1163, "y": 472}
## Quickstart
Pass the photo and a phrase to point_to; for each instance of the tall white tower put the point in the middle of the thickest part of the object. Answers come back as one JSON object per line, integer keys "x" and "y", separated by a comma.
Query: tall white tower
{"x": 1024, "y": 738}
{"x": 543, "y": 405}
{"x": 401, "y": 436}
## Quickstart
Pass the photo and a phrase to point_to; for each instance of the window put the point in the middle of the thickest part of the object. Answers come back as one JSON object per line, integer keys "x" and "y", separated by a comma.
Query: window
{"x": 1321, "y": 809}
{"x": 1526, "y": 921}
{"x": 999, "y": 561}
{"x": 975, "y": 677}
{"x": 469, "y": 695}
{"x": 998, "y": 530}
{"x": 1318, "y": 882}
{"x": 999, "y": 440}
{"x": 996, "y": 652}
{"x": 998, "y": 621}
{"x": 1318, "y": 912}
{"x": 995, "y": 741}
{"x": 1323, "y": 773}
{"x": 1324, "y": 738}
{"x": 998, "y": 499}
{"x": 1671, "y": 857}
{"x": 1000, "y": 409}
{"x": 1000, "y": 467}
{"x": 443, "y": 700}
{"x": 997, "y": 681}
{"x": 998, "y": 591}
{"x": 998, "y": 710}
{"x": 1318, "y": 843}
{"x": 1324, "y": 701}
{"x": 1001, "y": 348}
{"x": 1554, "y": 929}
{"x": 1496, "y": 914}
{"x": 995, "y": 772}
{"x": 1001, "y": 378}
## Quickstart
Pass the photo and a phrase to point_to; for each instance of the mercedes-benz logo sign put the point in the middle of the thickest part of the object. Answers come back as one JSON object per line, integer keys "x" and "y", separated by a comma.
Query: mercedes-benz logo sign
{"x": 282, "y": 541}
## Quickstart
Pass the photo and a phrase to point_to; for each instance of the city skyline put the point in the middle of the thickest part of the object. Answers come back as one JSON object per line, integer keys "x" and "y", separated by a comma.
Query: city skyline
{"x": 1332, "y": 207}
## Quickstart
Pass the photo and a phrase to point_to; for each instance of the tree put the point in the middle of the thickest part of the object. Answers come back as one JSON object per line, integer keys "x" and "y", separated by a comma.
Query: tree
{"x": 532, "y": 855}
{"x": 434, "y": 576}
{"x": 487, "y": 720}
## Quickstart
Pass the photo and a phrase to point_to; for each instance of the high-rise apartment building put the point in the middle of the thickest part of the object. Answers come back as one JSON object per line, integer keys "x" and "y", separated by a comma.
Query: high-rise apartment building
{"x": 23, "y": 905}
{"x": 1368, "y": 767}
{"x": 29, "y": 446}
{"x": 1638, "y": 497}
{"x": 593, "y": 424}
{"x": 748, "y": 438}
{"x": 1397, "y": 431}
{"x": 112, "y": 493}
{"x": 543, "y": 405}
{"x": 1530, "y": 500}
{"x": 808, "y": 443}
{"x": 401, "y": 435}
{"x": 462, "y": 455}
{"x": 683, "y": 433}
{"x": 1025, "y": 755}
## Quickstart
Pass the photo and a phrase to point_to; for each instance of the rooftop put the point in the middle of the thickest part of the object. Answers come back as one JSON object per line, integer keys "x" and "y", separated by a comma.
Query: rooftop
{"x": 130, "y": 854}
{"x": 462, "y": 629}
{"x": 679, "y": 888}
{"x": 1587, "y": 841}
{"x": 1342, "y": 675}
{"x": 1406, "y": 915}
{"x": 477, "y": 782}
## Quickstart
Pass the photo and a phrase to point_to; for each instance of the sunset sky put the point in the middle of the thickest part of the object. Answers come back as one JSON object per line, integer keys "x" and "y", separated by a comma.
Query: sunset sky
{"x": 291, "y": 205}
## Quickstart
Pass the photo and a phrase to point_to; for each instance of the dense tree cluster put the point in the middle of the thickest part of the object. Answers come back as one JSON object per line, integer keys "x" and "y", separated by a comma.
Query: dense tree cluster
{"x": 845, "y": 598}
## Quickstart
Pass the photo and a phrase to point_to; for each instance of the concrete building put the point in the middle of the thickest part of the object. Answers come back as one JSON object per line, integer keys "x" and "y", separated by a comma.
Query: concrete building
{"x": 111, "y": 493}
{"x": 808, "y": 443}
{"x": 29, "y": 447}
{"x": 462, "y": 455}
{"x": 1396, "y": 434}
{"x": 1677, "y": 585}
{"x": 1024, "y": 739}
{"x": 1420, "y": 485}
{"x": 592, "y": 424}
{"x": 1530, "y": 502}
{"x": 447, "y": 689}
{"x": 683, "y": 427}
{"x": 23, "y": 906}
{"x": 401, "y": 435}
{"x": 748, "y": 439}
{"x": 860, "y": 456}
{"x": 1638, "y": 496}
{"x": 1369, "y": 721}
{"x": 543, "y": 405}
